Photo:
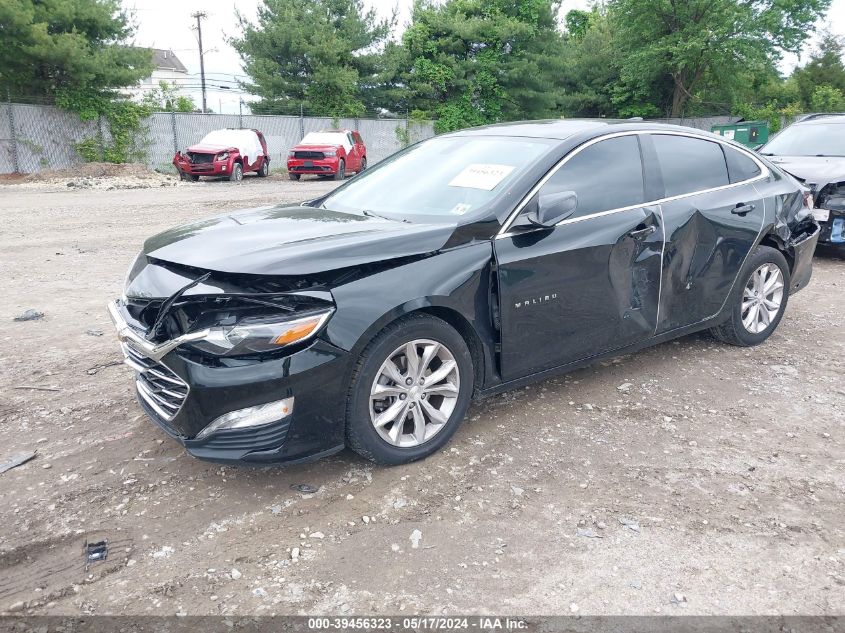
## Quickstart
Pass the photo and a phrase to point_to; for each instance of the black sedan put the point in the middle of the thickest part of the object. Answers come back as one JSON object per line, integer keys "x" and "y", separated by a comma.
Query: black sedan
{"x": 465, "y": 265}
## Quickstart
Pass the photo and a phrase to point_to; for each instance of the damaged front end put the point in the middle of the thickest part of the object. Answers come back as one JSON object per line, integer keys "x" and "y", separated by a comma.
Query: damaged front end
{"x": 210, "y": 349}
{"x": 830, "y": 212}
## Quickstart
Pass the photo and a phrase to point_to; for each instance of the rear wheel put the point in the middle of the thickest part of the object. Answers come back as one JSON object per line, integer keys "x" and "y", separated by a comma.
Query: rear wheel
{"x": 265, "y": 168}
{"x": 294, "y": 176}
{"x": 410, "y": 391}
{"x": 363, "y": 164}
{"x": 759, "y": 304}
{"x": 237, "y": 173}
{"x": 340, "y": 174}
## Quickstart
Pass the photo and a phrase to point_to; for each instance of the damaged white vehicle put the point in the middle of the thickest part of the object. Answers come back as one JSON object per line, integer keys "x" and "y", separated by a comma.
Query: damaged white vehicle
{"x": 813, "y": 151}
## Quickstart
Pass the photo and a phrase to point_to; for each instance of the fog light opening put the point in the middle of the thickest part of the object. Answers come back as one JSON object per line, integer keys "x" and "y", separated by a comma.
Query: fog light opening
{"x": 258, "y": 415}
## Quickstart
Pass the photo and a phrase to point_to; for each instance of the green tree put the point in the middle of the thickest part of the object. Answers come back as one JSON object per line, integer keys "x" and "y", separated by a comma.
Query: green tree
{"x": 578, "y": 22}
{"x": 480, "y": 61}
{"x": 166, "y": 98}
{"x": 52, "y": 48}
{"x": 590, "y": 68}
{"x": 826, "y": 98}
{"x": 314, "y": 53}
{"x": 673, "y": 52}
{"x": 824, "y": 68}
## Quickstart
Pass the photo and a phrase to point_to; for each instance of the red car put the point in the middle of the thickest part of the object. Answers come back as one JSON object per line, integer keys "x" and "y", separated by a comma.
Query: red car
{"x": 225, "y": 153}
{"x": 332, "y": 153}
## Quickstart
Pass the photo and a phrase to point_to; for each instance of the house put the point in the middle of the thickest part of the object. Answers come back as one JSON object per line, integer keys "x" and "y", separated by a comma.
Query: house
{"x": 166, "y": 67}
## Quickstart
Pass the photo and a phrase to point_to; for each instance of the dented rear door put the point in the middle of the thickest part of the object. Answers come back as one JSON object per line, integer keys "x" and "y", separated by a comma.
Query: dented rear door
{"x": 712, "y": 221}
{"x": 590, "y": 284}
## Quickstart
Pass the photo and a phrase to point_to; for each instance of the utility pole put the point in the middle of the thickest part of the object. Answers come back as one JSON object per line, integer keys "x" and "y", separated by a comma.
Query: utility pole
{"x": 199, "y": 15}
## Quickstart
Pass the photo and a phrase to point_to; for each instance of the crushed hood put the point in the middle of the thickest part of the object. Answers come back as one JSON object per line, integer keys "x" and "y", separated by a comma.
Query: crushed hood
{"x": 208, "y": 149}
{"x": 812, "y": 170}
{"x": 293, "y": 241}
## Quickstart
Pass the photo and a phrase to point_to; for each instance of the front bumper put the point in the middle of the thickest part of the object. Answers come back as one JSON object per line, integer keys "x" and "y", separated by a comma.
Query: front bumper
{"x": 833, "y": 229}
{"x": 214, "y": 168}
{"x": 315, "y": 376}
{"x": 323, "y": 166}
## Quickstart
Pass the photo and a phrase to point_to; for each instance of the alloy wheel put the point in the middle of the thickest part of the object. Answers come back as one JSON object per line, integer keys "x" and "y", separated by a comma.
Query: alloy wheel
{"x": 762, "y": 298}
{"x": 414, "y": 393}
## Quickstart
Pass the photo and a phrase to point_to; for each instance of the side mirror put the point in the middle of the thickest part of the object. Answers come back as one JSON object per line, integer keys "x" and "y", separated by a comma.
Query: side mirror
{"x": 552, "y": 208}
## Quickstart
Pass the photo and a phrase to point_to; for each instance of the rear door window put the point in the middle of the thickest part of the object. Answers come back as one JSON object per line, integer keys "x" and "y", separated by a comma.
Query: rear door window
{"x": 605, "y": 176}
{"x": 689, "y": 164}
{"x": 740, "y": 166}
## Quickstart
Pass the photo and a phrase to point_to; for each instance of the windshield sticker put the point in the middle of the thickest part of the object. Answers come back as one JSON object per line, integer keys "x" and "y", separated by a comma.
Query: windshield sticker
{"x": 481, "y": 176}
{"x": 460, "y": 208}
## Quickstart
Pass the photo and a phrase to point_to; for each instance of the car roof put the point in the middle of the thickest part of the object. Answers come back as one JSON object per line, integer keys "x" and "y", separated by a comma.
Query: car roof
{"x": 561, "y": 129}
{"x": 821, "y": 118}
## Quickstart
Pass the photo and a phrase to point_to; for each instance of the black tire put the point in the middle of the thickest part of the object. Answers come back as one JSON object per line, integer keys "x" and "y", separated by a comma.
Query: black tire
{"x": 361, "y": 435}
{"x": 293, "y": 176}
{"x": 237, "y": 173}
{"x": 733, "y": 331}
{"x": 363, "y": 164}
{"x": 193, "y": 177}
{"x": 265, "y": 168}
{"x": 340, "y": 174}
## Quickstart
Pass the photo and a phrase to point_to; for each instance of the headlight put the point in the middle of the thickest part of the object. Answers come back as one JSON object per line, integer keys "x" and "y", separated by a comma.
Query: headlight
{"x": 330, "y": 152}
{"x": 223, "y": 156}
{"x": 291, "y": 153}
{"x": 249, "y": 337}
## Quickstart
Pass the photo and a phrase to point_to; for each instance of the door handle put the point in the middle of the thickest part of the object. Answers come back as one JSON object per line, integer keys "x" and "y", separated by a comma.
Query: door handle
{"x": 642, "y": 232}
{"x": 743, "y": 209}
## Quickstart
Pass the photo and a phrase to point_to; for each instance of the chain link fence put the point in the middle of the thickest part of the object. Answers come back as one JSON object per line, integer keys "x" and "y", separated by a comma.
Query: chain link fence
{"x": 699, "y": 123}
{"x": 38, "y": 137}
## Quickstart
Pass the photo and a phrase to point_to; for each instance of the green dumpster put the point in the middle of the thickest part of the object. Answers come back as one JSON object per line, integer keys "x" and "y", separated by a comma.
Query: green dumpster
{"x": 749, "y": 133}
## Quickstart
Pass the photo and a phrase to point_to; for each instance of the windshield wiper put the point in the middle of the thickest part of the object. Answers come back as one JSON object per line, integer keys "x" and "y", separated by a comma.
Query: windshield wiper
{"x": 372, "y": 214}
{"x": 168, "y": 304}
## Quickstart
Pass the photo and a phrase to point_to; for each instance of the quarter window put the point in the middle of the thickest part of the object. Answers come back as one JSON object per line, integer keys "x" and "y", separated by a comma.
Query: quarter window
{"x": 689, "y": 164}
{"x": 740, "y": 166}
{"x": 605, "y": 176}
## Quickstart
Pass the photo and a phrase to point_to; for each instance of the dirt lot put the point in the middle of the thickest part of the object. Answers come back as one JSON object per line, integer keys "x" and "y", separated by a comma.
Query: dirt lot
{"x": 713, "y": 485}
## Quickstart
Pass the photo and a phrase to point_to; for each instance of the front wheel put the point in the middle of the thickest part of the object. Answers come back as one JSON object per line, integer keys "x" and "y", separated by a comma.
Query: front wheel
{"x": 237, "y": 173}
{"x": 340, "y": 174}
{"x": 363, "y": 165}
{"x": 758, "y": 306}
{"x": 410, "y": 391}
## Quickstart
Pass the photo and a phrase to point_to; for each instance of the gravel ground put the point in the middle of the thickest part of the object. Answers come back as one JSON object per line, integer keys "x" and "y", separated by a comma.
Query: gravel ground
{"x": 713, "y": 484}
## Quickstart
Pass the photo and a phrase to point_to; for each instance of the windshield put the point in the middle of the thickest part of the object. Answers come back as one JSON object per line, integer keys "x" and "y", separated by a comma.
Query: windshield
{"x": 443, "y": 178}
{"x": 817, "y": 139}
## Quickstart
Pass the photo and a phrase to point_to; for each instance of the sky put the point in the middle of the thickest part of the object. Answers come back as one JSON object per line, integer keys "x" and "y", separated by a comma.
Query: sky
{"x": 168, "y": 24}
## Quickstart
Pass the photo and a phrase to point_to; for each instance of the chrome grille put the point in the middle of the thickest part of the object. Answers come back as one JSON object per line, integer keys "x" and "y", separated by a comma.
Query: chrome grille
{"x": 160, "y": 388}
